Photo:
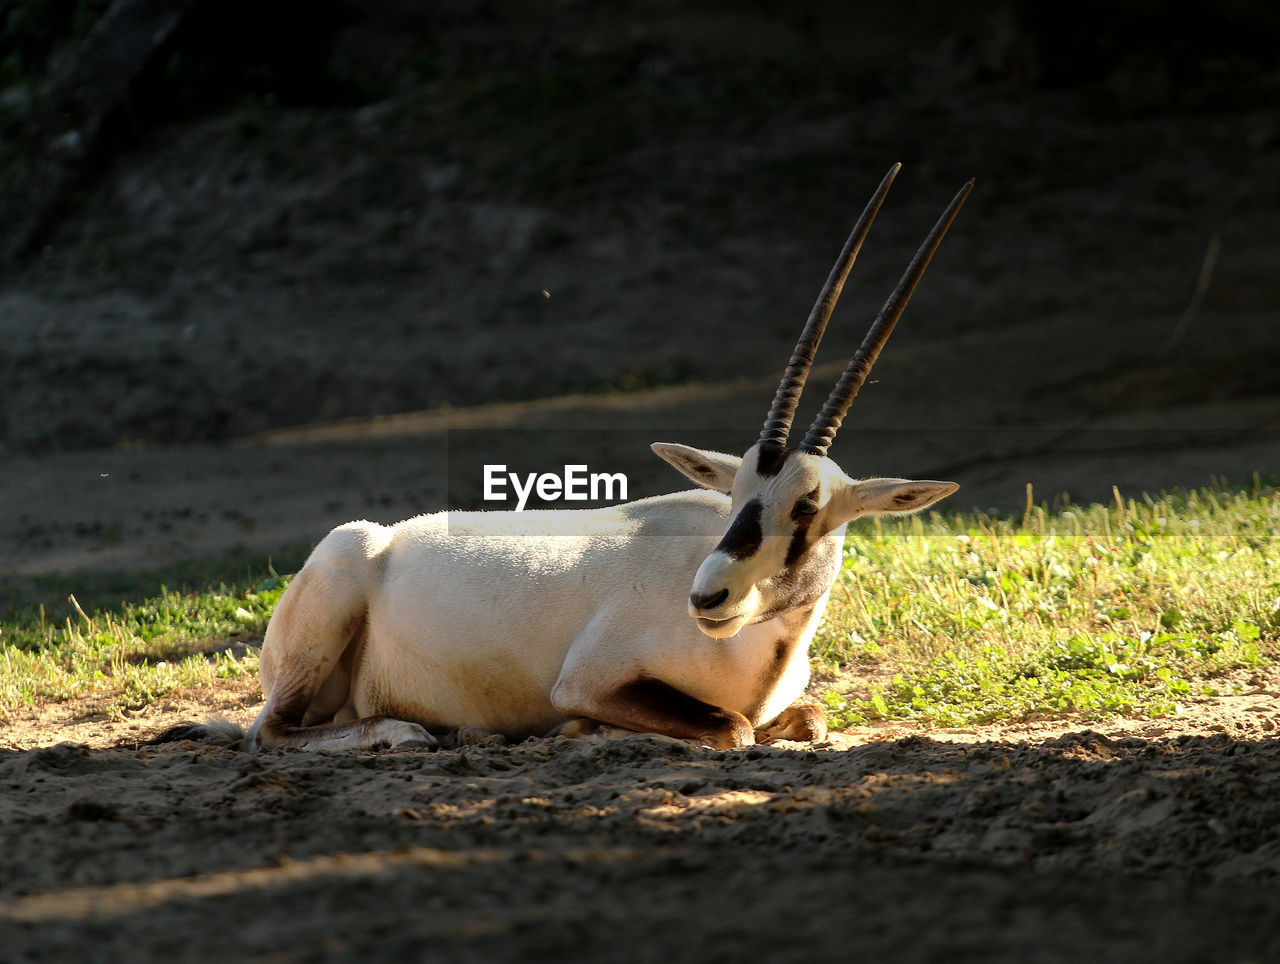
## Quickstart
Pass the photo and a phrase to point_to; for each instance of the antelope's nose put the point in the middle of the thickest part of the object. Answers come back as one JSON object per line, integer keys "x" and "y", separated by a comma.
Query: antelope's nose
{"x": 708, "y": 600}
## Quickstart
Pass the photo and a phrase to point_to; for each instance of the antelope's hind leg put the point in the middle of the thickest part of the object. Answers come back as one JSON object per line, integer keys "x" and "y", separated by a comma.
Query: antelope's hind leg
{"x": 803, "y": 723}
{"x": 312, "y": 648}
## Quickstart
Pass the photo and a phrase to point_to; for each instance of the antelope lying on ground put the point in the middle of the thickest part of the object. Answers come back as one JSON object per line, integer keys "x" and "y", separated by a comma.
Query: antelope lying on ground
{"x": 687, "y": 614}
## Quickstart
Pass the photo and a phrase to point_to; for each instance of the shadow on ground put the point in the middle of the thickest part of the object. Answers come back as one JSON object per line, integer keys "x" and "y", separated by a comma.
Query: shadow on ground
{"x": 1081, "y": 845}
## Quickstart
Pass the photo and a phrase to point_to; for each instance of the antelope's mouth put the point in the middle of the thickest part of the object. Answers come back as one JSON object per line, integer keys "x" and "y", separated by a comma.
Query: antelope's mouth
{"x": 720, "y": 628}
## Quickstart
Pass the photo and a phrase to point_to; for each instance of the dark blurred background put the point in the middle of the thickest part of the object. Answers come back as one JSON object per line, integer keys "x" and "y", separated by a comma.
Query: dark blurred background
{"x": 224, "y": 218}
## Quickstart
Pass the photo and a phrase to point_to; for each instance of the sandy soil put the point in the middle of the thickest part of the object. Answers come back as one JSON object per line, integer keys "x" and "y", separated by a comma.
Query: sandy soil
{"x": 1047, "y": 841}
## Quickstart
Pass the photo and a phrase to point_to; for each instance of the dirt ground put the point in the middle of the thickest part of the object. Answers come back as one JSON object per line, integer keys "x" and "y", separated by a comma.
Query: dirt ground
{"x": 262, "y": 323}
{"x": 1129, "y": 840}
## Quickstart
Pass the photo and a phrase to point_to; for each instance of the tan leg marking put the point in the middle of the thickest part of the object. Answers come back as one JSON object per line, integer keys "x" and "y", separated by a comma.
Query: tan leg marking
{"x": 804, "y": 723}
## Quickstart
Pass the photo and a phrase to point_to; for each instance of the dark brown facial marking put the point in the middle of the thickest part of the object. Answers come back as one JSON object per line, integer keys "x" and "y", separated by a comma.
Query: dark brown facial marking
{"x": 800, "y": 585}
{"x": 772, "y": 455}
{"x": 800, "y": 541}
{"x": 744, "y": 535}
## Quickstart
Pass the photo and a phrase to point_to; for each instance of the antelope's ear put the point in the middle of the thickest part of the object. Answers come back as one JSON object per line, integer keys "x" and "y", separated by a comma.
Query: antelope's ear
{"x": 888, "y": 497}
{"x": 711, "y": 470}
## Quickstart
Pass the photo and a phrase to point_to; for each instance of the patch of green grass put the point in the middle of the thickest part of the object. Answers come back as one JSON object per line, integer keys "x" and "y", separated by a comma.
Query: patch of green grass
{"x": 132, "y": 653}
{"x": 1128, "y": 608}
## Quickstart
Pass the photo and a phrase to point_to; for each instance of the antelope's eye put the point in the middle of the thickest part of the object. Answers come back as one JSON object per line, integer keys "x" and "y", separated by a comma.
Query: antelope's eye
{"x": 806, "y": 508}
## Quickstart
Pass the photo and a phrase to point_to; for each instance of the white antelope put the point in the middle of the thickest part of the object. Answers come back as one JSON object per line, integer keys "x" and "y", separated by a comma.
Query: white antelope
{"x": 687, "y": 614}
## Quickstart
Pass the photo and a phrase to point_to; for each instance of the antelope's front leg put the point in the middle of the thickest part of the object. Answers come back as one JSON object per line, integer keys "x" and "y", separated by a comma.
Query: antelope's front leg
{"x": 804, "y": 723}
{"x": 649, "y": 705}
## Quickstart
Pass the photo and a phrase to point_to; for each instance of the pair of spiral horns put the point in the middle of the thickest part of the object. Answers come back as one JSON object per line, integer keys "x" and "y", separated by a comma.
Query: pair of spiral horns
{"x": 777, "y": 426}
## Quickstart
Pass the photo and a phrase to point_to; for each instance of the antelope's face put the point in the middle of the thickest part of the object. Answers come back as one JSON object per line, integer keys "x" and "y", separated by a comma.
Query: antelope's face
{"x": 781, "y": 550}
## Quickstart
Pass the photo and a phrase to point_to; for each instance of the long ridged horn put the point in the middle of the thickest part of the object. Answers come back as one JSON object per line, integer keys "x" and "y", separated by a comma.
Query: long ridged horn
{"x": 825, "y": 426}
{"x": 777, "y": 426}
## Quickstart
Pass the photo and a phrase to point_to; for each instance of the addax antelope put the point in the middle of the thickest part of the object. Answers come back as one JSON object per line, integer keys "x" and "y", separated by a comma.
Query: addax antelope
{"x": 687, "y": 614}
